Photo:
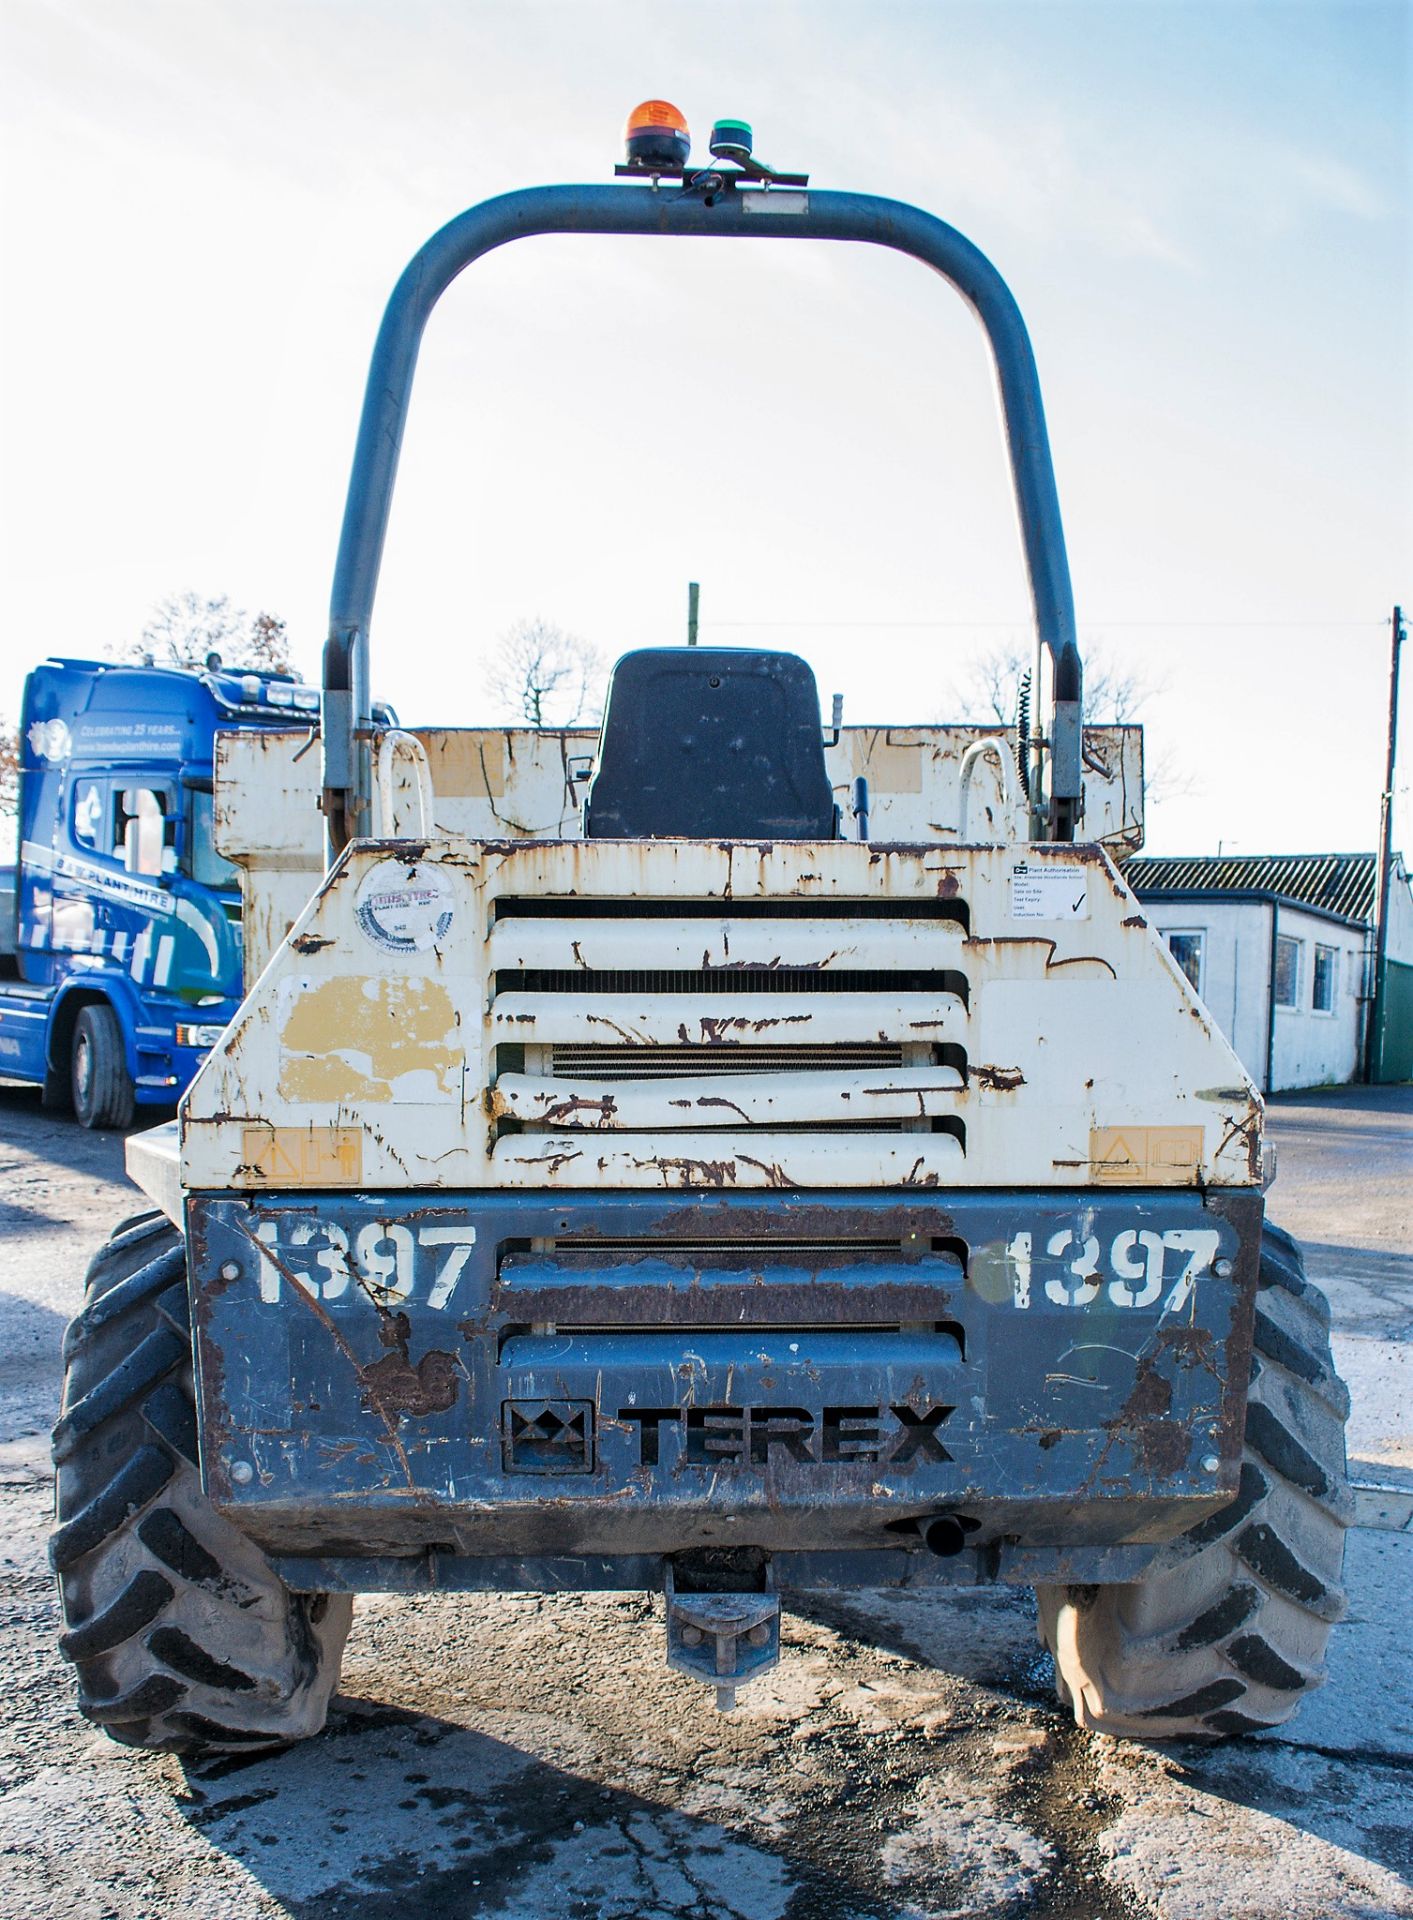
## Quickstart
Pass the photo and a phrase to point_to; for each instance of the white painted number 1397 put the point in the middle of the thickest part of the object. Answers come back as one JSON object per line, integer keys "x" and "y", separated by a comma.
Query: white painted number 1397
{"x": 1133, "y": 1273}
{"x": 391, "y": 1261}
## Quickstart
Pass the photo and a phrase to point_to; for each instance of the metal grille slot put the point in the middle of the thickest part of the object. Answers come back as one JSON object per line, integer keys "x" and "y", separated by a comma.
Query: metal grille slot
{"x": 587, "y": 907}
{"x": 588, "y": 1252}
{"x": 757, "y": 1326}
{"x": 727, "y": 983}
{"x": 934, "y": 1123}
{"x": 916, "y": 1096}
{"x": 667, "y": 1062}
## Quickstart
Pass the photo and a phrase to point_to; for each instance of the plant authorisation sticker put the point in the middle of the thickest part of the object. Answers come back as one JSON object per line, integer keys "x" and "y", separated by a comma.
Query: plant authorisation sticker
{"x": 404, "y": 909}
{"x": 1049, "y": 892}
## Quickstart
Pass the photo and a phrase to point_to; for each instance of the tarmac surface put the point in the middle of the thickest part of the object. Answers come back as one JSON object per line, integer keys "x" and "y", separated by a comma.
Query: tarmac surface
{"x": 531, "y": 1757}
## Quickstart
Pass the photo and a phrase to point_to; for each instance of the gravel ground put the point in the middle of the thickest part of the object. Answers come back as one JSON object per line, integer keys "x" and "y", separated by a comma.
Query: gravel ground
{"x": 530, "y": 1756}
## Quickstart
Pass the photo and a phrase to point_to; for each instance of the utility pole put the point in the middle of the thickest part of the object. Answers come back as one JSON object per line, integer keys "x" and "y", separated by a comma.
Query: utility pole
{"x": 693, "y": 596}
{"x": 1374, "y": 1046}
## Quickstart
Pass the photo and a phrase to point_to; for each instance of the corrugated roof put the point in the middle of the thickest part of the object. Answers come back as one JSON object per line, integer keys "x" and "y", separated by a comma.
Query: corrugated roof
{"x": 1341, "y": 883}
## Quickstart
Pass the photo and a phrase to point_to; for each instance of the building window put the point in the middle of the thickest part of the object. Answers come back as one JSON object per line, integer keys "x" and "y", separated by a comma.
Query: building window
{"x": 1186, "y": 949}
{"x": 1326, "y": 973}
{"x": 1287, "y": 985}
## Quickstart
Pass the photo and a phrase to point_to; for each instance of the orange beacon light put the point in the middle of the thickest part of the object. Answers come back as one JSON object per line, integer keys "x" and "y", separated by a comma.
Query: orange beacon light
{"x": 656, "y": 133}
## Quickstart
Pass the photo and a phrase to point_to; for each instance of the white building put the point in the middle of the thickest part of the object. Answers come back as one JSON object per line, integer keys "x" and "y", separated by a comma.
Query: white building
{"x": 1280, "y": 947}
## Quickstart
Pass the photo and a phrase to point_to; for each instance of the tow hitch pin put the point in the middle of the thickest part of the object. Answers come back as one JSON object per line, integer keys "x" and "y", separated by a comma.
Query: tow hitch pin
{"x": 723, "y": 1639}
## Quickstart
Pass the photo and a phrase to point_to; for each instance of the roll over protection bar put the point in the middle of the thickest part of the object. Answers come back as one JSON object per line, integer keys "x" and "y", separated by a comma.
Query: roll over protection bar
{"x": 729, "y": 211}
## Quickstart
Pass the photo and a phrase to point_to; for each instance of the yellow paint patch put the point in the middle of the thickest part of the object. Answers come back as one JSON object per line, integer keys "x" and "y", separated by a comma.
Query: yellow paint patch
{"x": 467, "y": 763}
{"x": 384, "y": 1038}
{"x": 892, "y": 761}
{"x": 302, "y": 1156}
{"x": 1139, "y": 1156}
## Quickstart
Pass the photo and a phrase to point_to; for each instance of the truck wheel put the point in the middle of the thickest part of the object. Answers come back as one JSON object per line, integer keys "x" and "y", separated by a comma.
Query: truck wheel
{"x": 56, "y": 1093}
{"x": 184, "y": 1638}
{"x": 1226, "y": 1632}
{"x": 103, "y": 1092}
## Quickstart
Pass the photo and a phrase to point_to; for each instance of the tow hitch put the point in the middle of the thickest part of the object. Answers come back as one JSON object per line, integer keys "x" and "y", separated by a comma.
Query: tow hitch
{"x": 724, "y": 1639}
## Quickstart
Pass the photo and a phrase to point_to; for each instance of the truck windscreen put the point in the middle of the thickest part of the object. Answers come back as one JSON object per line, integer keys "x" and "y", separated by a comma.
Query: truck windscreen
{"x": 202, "y": 863}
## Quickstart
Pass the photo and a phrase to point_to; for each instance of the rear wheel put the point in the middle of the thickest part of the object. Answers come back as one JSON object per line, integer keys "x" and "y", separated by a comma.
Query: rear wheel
{"x": 1226, "y": 1632}
{"x": 102, "y": 1088}
{"x": 184, "y": 1638}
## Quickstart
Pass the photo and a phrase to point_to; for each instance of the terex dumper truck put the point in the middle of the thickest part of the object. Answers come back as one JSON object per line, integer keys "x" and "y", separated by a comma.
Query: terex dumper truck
{"x": 120, "y": 956}
{"x": 701, "y": 1175}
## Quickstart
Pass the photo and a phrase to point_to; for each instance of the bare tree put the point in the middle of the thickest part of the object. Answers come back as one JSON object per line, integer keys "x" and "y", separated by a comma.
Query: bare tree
{"x": 185, "y": 628}
{"x": 545, "y": 676}
{"x": 1113, "y": 695}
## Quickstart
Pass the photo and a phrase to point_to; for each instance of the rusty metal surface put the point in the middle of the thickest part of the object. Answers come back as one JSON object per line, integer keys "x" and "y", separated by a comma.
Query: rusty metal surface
{"x": 1011, "y": 1022}
{"x": 909, "y": 1568}
{"x": 518, "y": 783}
{"x": 806, "y": 1376}
{"x": 266, "y": 820}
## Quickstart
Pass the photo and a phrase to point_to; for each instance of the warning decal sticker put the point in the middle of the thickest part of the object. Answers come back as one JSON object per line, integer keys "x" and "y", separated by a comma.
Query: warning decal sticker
{"x": 1049, "y": 892}
{"x": 303, "y": 1156}
{"x": 1133, "y": 1156}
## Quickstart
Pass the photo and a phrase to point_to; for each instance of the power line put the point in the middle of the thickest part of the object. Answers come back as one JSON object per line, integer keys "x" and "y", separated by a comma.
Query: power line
{"x": 1021, "y": 620}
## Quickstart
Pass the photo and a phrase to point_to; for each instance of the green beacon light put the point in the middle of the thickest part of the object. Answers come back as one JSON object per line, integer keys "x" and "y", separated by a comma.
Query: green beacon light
{"x": 731, "y": 140}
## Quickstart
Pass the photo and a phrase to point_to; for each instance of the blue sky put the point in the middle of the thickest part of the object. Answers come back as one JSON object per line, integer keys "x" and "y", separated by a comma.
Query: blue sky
{"x": 1203, "y": 210}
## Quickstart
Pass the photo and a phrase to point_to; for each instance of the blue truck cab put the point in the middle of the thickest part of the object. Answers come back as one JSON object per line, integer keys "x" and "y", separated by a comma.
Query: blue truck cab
{"x": 120, "y": 926}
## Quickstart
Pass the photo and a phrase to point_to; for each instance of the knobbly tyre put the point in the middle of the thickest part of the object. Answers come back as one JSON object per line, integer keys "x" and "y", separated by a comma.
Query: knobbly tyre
{"x": 768, "y": 1162}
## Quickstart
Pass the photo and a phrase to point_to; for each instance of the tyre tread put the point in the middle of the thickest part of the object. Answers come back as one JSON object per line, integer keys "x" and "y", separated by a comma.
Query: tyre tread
{"x": 1246, "y": 1597}
{"x": 183, "y": 1637}
{"x": 119, "y": 1300}
{"x": 140, "y": 1479}
{"x": 136, "y": 1607}
{"x": 148, "y": 1364}
{"x": 111, "y": 1099}
{"x": 155, "y": 1694}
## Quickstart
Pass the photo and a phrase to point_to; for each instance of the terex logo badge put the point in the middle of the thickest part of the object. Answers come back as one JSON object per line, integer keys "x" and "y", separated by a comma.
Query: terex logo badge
{"x": 745, "y": 1436}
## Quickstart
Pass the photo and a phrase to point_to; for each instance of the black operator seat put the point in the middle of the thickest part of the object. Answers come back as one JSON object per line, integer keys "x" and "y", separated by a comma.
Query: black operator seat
{"x": 711, "y": 743}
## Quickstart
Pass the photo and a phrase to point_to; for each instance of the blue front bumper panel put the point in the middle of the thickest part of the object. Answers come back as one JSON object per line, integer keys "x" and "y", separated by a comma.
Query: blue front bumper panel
{"x": 505, "y": 1378}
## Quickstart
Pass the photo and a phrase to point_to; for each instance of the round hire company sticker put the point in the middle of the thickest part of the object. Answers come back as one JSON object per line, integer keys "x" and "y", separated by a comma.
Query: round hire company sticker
{"x": 404, "y": 909}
